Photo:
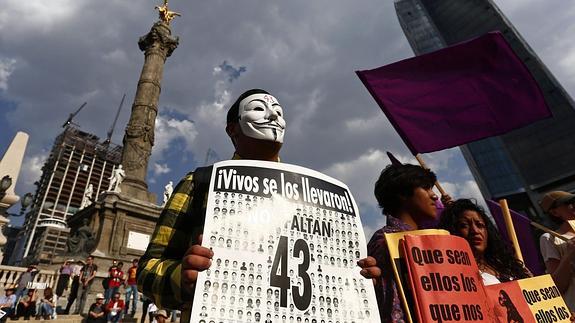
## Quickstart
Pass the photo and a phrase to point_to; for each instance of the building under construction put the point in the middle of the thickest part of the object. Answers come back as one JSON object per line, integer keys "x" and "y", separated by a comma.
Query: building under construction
{"x": 77, "y": 159}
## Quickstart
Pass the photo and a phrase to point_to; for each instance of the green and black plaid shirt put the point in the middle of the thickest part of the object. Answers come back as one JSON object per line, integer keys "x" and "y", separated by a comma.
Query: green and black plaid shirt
{"x": 159, "y": 270}
{"x": 180, "y": 223}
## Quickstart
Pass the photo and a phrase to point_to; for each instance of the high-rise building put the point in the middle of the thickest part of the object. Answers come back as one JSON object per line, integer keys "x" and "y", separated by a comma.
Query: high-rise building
{"x": 77, "y": 159}
{"x": 523, "y": 164}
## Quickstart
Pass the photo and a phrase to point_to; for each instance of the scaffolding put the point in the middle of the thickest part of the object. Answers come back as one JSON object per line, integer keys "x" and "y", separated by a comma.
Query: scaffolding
{"x": 77, "y": 159}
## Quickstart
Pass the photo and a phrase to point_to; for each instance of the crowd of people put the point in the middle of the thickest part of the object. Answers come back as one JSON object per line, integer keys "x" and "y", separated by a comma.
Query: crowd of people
{"x": 255, "y": 124}
{"x": 77, "y": 278}
{"x": 21, "y": 301}
{"x": 33, "y": 304}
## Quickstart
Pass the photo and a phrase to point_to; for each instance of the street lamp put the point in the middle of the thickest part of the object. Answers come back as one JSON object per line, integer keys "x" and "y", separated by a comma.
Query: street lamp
{"x": 5, "y": 183}
{"x": 26, "y": 202}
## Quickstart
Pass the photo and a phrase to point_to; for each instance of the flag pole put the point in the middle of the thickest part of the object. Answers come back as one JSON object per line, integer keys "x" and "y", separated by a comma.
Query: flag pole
{"x": 510, "y": 228}
{"x": 551, "y": 232}
{"x": 422, "y": 164}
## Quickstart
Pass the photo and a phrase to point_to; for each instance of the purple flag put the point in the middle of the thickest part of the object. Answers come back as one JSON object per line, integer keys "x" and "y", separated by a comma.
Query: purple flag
{"x": 522, "y": 224}
{"x": 458, "y": 94}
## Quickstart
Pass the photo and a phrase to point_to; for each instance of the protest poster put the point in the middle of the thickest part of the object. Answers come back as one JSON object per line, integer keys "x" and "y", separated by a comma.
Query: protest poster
{"x": 400, "y": 271}
{"x": 36, "y": 285}
{"x": 534, "y": 299}
{"x": 286, "y": 242}
{"x": 445, "y": 280}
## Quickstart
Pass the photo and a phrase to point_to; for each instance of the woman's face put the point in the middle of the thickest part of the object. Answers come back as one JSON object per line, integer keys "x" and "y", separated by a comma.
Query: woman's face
{"x": 471, "y": 226}
{"x": 422, "y": 203}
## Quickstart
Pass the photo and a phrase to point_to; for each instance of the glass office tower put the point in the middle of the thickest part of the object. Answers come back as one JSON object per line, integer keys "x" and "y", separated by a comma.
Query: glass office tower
{"x": 526, "y": 163}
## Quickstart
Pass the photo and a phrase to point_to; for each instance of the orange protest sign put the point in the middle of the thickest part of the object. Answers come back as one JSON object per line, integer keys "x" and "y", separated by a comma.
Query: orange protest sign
{"x": 535, "y": 299}
{"x": 399, "y": 269}
{"x": 445, "y": 280}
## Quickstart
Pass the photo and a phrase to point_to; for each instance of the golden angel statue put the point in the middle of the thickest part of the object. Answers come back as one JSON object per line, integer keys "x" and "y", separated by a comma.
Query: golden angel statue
{"x": 165, "y": 14}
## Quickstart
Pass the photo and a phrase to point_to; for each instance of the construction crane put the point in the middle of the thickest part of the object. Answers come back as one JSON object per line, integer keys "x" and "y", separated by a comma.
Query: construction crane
{"x": 72, "y": 115}
{"x": 111, "y": 131}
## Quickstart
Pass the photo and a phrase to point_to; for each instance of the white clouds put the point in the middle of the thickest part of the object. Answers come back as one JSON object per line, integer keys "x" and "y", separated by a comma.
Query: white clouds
{"x": 36, "y": 15}
{"x": 365, "y": 125}
{"x": 511, "y": 6}
{"x": 168, "y": 130}
{"x": 559, "y": 56}
{"x": 197, "y": 135}
{"x": 173, "y": 138}
{"x": 31, "y": 171}
{"x": 439, "y": 161}
{"x": 567, "y": 62}
{"x": 360, "y": 174}
{"x": 160, "y": 169}
{"x": 7, "y": 66}
{"x": 116, "y": 56}
{"x": 305, "y": 109}
{"x": 464, "y": 189}
{"x": 213, "y": 112}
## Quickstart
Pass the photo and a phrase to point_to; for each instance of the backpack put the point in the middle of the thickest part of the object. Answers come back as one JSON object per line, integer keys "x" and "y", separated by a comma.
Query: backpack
{"x": 202, "y": 177}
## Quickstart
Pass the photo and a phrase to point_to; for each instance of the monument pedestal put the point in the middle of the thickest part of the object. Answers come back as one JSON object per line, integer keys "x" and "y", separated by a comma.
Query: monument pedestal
{"x": 114, "y": 227}
{"x": 121, "y": 228}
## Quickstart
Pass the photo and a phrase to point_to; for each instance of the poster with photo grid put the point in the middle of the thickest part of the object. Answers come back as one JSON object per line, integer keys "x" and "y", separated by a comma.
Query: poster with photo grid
{"x": 286, "y": 242}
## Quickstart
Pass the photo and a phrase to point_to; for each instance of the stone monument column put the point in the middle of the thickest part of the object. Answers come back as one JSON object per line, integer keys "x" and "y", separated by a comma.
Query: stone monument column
{"x": 119, "y": 224}
{"x": 138, "y": 140}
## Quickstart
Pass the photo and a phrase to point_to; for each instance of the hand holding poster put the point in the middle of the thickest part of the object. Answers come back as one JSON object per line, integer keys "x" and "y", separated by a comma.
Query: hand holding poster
{"x": 445, "y": 280}
{"x": 286, "y": 241}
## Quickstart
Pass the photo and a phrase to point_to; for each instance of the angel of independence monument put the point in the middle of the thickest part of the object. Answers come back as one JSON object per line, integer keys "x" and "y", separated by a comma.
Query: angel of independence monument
{"x": 119, "y": 224}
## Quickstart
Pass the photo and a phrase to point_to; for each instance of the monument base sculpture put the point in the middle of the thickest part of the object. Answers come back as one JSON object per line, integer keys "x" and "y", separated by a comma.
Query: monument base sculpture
{"x": 116, "y": 226}
{"x": 121, "y": 227}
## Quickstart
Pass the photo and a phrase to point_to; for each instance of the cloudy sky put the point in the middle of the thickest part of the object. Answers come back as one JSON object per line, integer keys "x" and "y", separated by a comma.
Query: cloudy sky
{"x": 55, "y": 55}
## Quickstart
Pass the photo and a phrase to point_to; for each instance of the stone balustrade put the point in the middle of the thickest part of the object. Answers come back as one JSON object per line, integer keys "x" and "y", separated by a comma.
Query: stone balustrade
{"x": 9, "y": 276}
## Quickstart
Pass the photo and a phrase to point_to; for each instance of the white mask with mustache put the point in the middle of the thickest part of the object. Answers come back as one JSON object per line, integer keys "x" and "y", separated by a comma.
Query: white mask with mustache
{"x": 261, "y": 117}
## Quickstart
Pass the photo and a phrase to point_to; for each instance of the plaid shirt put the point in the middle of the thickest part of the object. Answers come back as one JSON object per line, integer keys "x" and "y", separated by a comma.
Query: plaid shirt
{"x": 388, "y": 300}
{"x": 159, "y": 270}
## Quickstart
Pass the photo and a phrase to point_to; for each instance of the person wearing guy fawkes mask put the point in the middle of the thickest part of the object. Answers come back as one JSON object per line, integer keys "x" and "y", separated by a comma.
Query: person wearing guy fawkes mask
{"x": 168, "y": 270}
{"x": 256, "y": 126}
